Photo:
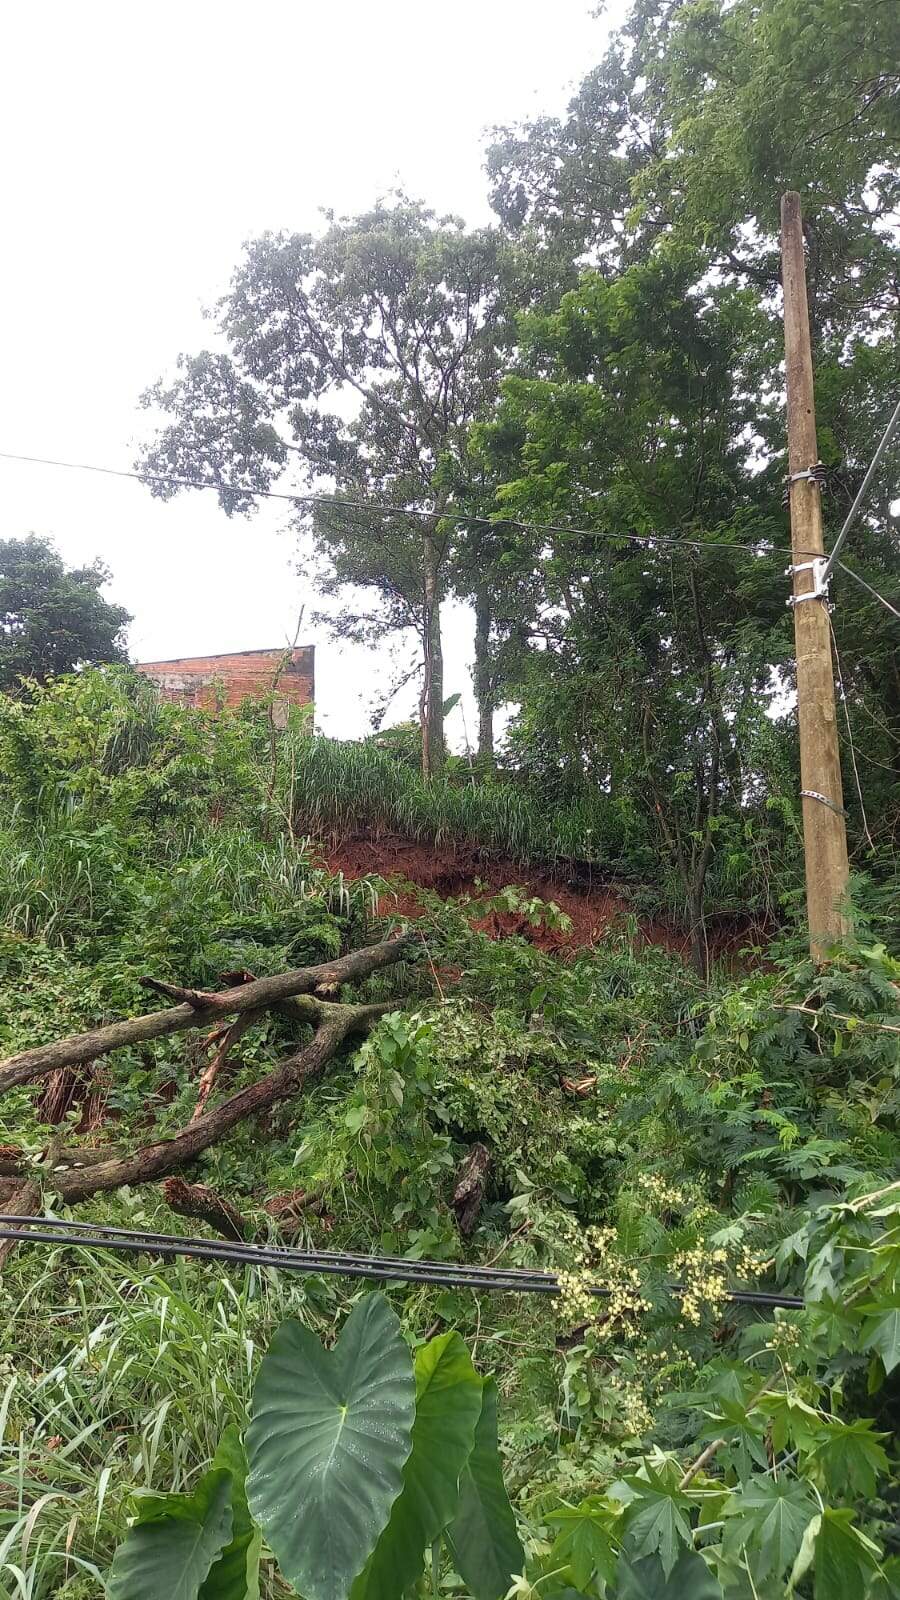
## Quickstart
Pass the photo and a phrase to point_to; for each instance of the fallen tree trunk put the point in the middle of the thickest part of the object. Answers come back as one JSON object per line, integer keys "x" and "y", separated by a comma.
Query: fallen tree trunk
{"x": 75, "y": 1175}
{"x": 470, "y": 1185}
{"x": 163, "y": 1156}
{"x": 200, "y": 1008}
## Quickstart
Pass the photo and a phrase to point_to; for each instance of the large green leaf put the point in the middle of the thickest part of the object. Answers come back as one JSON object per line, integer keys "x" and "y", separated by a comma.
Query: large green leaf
{"x": 329, "y": 1437}
{"x": 482, "y": 1537}
{"x": 448, "y": 1406}
{"x": 771, "y": 1516}
{"x": 654, "y": 1522}
{"x": 168, "y": 1552}
{"x": 646, "y": 1579}
{"x": 235, "y": 1574}
{"x": 852, "y": 1456}
{"x": 845, "y": 1558}
{"x": 882, "y": 1333}
{"x": 586, "y": 1543}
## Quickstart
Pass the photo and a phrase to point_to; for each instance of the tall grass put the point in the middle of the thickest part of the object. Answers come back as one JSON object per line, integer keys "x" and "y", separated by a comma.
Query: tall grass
{"x": 123, "y": 1379}
{"x": 62, "y": 879}
{"x": 339, "y": 790}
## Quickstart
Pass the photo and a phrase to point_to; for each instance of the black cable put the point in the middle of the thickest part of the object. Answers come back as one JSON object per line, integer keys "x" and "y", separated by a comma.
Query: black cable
{"x": 281, "y": 1255}
{"x": 377, "y": 509}
{"x": 390, "y": 1269}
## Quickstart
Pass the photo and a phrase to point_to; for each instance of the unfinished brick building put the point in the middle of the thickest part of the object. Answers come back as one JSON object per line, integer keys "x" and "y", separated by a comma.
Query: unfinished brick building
{"x": 213, "y": 682}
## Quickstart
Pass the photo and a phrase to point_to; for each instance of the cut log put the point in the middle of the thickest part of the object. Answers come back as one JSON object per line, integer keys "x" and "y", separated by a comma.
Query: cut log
{"x": 199, "y": 1200}
{"x": 470, "y": 1185}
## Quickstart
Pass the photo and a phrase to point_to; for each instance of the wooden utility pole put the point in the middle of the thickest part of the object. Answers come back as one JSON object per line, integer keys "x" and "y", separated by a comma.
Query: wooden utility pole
{"x": 824, "y": 829}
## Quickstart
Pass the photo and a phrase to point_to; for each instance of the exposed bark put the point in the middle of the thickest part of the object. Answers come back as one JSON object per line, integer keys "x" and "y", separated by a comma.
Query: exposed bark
{"x": 290, "y": 1212}
{"x": 199, "y": 1200}
{"x": 483, "y": 680}
{"x": 226, "y": 1040}
{"x": 470, "y": 1186}
{"x": 204, "y": 1008}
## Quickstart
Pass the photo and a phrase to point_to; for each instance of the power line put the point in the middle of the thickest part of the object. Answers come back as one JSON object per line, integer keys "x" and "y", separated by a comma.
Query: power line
{"x": 377, "y": 508}
{"x": 384, "y": 1269}
{"x": 851, "y": 574}
{"x": 860, "y": 495}
{"x": 843, "y": 693}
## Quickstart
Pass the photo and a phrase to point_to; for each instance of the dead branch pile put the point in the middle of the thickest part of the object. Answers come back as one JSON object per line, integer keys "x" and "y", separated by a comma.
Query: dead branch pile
{"x": 306, "y": 996}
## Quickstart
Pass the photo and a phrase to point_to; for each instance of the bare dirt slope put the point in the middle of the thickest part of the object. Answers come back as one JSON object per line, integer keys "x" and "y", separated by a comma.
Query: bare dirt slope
{"x": 594, "y": 908}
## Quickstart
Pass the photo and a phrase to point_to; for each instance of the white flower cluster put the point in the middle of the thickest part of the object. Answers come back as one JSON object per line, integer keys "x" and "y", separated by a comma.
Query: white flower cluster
{"x": 595, "y": 1265}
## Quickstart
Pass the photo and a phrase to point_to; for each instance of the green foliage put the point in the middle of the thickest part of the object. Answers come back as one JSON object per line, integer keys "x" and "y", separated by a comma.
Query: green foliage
{"x": 482, "y": 1537}
{"x": 328, "y": 1440}
{"x": 341, "y": 789}
{"x": 52, "y": 618}
{"x": 403, "y": 315}
{"x": 357, "y": 1465}
{"x": 448, "y": 1412}
{"x": 175, "y": 1542}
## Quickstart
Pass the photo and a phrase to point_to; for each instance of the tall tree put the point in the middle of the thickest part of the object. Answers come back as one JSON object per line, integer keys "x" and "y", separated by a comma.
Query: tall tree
{"x": 679, "y": 145}
{"x": 395, "y": 318}
{"x": 643, "y": 662}
{"x": 53, "y": 618}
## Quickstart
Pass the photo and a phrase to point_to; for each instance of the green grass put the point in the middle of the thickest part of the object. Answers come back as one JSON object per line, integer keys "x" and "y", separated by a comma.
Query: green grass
{"x": 341, "y": 789}
{"x": 124, "y": 1378}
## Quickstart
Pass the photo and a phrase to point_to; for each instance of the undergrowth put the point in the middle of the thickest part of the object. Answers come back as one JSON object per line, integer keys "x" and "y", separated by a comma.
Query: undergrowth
{"x": 642, "y": 1127}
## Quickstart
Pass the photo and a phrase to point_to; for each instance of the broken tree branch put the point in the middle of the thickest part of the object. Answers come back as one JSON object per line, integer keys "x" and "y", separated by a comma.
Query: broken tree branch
{"x": 299, "y": 985}
{"x": 198, "y": 1200}
{"x": 227, "y": 1038}
{"x": 166, "y": 1155}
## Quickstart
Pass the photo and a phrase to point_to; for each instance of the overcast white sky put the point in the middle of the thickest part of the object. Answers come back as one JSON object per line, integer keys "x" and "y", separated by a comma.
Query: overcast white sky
{"x": 143, "y": 143}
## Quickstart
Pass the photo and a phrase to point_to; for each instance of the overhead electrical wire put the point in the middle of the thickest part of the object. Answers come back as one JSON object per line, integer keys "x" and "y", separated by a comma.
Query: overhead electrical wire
{"x": 377, "y": 508}
{"x": 861, "y": 493}
{"x": 851, "y": 574}
{"x": 382, "y": 1269}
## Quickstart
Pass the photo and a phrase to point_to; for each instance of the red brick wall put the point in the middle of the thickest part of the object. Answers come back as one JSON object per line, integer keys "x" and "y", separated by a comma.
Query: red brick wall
{"x": 216, "y": 681}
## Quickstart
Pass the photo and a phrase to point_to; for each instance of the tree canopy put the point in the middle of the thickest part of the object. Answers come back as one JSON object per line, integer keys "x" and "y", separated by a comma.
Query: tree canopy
{"x": 359, "y": 358}
{"x": 52, "y": 617}
{"x": 575, "y": 421}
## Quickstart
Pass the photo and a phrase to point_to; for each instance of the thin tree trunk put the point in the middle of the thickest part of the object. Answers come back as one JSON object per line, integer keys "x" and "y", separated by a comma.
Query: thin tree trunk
{"x": 432, "y": 700}
{"x": 699, "y": 948}
{"x": 483, "y": 681}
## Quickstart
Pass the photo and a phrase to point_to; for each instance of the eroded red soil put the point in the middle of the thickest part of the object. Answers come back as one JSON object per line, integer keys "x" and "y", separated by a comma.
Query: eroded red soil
{"x": 595, "y": 909}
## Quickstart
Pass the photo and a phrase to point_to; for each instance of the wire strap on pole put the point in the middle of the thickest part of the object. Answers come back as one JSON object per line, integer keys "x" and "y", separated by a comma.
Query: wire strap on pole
{"x": 382, "y": 1269}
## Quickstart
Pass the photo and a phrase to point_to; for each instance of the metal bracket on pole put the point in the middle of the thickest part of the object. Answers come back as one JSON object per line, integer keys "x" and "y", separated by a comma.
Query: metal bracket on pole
{"x": 813, "y": 794}
{"x": 817, "y": 474}
{"x": 819, "y": 590}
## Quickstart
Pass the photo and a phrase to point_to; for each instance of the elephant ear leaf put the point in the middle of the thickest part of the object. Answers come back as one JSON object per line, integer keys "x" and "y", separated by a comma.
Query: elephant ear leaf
{"x": 327, "y": 1444}
{"x": 234, "y": 1575}
{"x": 482, "y": 1538}
{"x": 172, "y": 1544}
{"x": 448, "y": 1406}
